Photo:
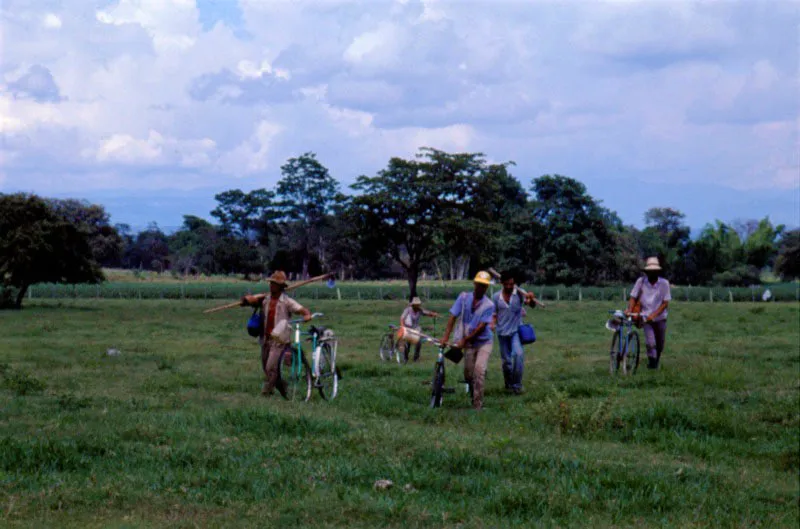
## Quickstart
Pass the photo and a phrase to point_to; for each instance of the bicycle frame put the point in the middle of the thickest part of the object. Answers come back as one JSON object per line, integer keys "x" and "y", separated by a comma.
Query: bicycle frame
{"x": 297, "y": 347}
{"x": 627, "y": 327}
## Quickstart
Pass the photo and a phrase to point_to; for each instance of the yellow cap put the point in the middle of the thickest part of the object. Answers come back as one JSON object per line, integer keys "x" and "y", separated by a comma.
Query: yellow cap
{"x": 483, "y": 278}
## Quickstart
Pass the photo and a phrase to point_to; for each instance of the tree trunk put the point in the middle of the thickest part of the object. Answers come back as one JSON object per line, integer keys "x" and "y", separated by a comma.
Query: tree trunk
{"x": 20, "y": 296}
{"x": 413, "y": 277}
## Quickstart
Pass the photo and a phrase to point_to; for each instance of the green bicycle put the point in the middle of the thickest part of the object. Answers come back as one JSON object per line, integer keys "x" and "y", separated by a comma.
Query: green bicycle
{"x": 294, "y": 372}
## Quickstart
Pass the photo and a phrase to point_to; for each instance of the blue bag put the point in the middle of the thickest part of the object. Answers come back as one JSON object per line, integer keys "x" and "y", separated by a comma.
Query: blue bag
{"x": 526, "y": 333}
{"x": 255, "y": 325}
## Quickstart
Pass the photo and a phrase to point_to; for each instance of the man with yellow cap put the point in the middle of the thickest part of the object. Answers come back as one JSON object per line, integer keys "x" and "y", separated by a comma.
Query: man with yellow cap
{"x": 652, "y": 293}
{"x": 277, "y": 332}
{"x": 474, "y": 312}
{"x": 410, "y": 319}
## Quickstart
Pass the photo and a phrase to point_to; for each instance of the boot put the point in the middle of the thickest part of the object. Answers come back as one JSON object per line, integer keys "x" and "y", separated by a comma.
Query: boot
{"x": 652, "y": 363}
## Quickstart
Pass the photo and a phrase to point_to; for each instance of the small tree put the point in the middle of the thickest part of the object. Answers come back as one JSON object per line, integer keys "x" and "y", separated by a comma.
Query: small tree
{"x": 37, "y": 245}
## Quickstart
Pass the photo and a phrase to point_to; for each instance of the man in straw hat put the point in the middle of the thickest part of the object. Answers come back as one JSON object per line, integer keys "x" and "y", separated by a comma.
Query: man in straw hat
{"x": 410, "y": 319}
{"x": 652, "y": 293}
{"x": 475, "y": 311}
{"x": 277, "y": 332}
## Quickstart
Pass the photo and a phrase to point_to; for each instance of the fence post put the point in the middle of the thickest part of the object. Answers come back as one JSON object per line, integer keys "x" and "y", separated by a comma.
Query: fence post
{"x": 580, "y": 294}
{"x": 711, "y": 295}
{"x": 339, "y": 294}
{"x": 558, "y": 295}
{"x": 30, "y": 292}
{"x": 730, "y": 296}
{"x": 624, "y": 294}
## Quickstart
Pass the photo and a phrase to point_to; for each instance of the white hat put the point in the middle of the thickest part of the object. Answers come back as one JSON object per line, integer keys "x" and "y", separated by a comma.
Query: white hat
{"x": 652, "y": 264}
{"x": 416, "y": 301}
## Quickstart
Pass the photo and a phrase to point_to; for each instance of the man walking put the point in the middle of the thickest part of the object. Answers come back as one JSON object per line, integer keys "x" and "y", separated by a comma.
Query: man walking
{"x": 277, "y": 332}
{"x": 509, "y": 311}
{"x": 474, "y": 312}
{"x": 652, "y": 292}
{"x": 410, "y": 319}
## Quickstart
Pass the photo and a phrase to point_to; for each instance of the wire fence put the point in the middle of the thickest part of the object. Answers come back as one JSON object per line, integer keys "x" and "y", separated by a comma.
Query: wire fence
{"x": 354, "y": 291}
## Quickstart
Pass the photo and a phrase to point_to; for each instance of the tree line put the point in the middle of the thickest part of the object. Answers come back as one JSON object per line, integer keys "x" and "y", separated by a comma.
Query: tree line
{"x": 438, "y": 215}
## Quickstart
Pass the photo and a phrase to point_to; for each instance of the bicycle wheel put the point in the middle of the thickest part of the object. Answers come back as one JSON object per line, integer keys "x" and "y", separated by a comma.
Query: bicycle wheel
{"x": 437, "y": 385}
{"x": 387, "y": 347}
{"x": 614, "y": 354}
{"x": 295, "y": 384}
{"x": 328, "y": 381}
{"x": 401, "y": 351}
{"x": 632, "y": 358}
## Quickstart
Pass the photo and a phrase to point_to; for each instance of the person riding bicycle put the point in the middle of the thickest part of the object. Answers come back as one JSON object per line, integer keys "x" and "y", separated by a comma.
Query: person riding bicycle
{"x": 410, "y": 319}
{"x": 475, "y": 311}
{"x": 277, "y": 332}
{"x": 509, "y": 311}
{"x": 652, "y": 292}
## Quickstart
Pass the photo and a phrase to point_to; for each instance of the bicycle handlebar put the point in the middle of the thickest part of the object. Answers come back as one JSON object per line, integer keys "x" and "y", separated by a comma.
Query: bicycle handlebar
{"x": 302, "y": 320}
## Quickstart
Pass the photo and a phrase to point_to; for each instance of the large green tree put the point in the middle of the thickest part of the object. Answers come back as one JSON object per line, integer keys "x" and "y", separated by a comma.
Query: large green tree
{"x": 106, "y": 242}
{"x": 414, "y": 210}
{"x": 574, "y": 235}
{"x": 39, "y": 245}
{"x": 306, "y": 195}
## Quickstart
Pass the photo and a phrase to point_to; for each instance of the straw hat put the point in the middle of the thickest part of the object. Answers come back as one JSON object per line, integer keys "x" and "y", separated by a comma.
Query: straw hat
{"x": 416, "y": 302}
{"x": 278, "y": 277}
{"x": 483, "y": 278}
{"x": 652, "y": 264}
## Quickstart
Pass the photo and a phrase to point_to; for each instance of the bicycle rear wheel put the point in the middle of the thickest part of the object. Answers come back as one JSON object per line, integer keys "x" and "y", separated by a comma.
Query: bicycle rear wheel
{"x": 294, "y": 381}
{"x": 387, "y": 347}
{"x": 632, "y": 357}
{"x": 437, "y": 385}
{"x": 328, "y": 381}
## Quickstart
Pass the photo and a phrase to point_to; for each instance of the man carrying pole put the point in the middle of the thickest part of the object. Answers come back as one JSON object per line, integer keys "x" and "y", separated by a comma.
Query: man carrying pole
{"x": 277, "y": 332}
{"x": 474, "y": 310}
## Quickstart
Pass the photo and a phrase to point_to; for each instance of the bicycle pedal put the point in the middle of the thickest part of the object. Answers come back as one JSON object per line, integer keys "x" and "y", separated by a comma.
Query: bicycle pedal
{"x": 449, "y": 390}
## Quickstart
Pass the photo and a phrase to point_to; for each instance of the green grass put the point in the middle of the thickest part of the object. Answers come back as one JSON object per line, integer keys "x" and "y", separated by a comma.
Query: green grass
{"x": 174, "y": 433}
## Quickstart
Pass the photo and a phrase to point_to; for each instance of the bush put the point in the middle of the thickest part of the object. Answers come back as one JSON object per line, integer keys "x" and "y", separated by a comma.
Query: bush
{"x": 740, "y": 276}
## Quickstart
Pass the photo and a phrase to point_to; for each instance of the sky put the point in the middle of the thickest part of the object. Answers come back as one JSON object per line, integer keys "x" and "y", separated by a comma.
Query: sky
{"x": 151, "y": 107}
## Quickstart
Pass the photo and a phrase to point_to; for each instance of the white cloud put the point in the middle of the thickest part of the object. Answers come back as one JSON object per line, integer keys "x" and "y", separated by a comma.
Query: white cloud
{"x": 252, "y": 155}
{"x": 156, "y": 149}
{"x": 677, "y": 91}
{"x": 51, "y": 21}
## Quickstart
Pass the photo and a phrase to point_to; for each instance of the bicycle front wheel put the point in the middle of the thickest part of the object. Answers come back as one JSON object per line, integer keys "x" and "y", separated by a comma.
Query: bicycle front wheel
{"x": 614, "y": 354}
{"x": 294, "y": 380}
{"x": 437, "y": 385}
{"x": 632, "y": 358}
{"x": 328, "y": 381}
{"x": 387, "y": 347}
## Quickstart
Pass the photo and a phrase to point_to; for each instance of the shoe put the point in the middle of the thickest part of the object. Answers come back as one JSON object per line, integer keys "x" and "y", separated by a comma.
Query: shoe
{"x": 652, "y": 363}
{"x": 518, "y": 391}
{"x": 265, "y": 389}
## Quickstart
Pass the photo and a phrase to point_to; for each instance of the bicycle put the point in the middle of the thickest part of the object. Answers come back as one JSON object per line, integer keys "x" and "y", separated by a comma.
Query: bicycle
{"x": 388, "y": 348}
{"x": 294, "y": 373}
{"x": 438, "y": 388}
{"x": 623, "y": 352}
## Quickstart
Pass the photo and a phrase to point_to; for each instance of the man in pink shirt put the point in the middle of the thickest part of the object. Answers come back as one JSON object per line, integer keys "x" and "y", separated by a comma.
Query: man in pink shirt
{"x": 652, "y": 292}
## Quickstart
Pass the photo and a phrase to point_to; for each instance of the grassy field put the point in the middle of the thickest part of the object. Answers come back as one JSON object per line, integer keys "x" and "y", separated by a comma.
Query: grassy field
{"x": 174, "y": 433}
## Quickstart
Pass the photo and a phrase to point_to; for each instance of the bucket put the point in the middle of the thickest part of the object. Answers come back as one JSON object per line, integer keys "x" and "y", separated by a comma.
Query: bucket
{"x": 409, "y": 335}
